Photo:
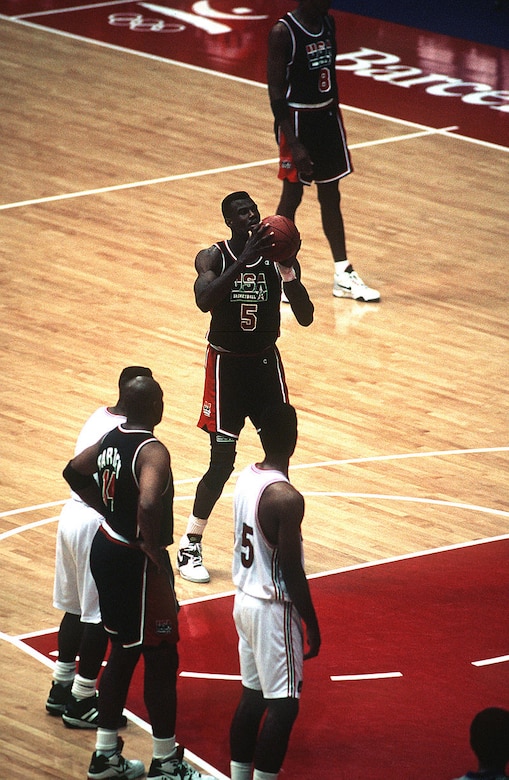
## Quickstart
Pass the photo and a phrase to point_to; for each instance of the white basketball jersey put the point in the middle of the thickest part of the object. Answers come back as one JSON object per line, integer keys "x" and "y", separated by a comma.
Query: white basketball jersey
{"x": 98, "y": 425}
{"x": 256, "y": 569}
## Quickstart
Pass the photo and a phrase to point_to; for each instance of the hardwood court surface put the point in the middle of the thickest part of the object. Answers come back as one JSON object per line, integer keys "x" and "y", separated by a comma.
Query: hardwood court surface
{"x": 403, "y": 409}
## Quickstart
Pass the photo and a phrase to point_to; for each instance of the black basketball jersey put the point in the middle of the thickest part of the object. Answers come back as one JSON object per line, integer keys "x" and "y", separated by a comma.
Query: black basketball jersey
{"x": 247, "y": 320}
{"x": 312, "y": 67}
{"x": 116, "y": 468}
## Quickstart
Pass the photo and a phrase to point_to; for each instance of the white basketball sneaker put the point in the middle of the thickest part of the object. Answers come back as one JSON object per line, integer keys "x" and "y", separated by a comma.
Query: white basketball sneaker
{"x": 350, "y": 285}
{"x": 190, "y": 563}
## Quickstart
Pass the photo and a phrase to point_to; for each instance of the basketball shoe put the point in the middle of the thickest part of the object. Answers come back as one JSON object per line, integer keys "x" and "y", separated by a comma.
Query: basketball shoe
{"x": 190, "y": 563}
{"x": 83, "y": 714}
{"x": 174, "y": 768}
{"x": 58, "y": 697}
{"x": 350, "y": 285}
{"x": 104, "y": 767}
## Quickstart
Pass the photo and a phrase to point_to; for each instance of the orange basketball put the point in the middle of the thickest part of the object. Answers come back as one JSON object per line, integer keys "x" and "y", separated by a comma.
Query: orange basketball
{"x": 286, "y": 239}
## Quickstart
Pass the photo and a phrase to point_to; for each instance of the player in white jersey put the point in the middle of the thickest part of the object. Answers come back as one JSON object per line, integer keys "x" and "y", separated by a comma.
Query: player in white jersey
{"x": 272, "y": 602}
{"x": 81, "y": 633}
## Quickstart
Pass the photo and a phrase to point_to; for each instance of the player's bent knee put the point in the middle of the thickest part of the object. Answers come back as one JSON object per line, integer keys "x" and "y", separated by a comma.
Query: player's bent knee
{"x": 221, "y": 466}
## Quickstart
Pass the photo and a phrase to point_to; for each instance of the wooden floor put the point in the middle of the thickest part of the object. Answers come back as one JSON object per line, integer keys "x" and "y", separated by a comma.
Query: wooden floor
{"x": 92, "y": 283}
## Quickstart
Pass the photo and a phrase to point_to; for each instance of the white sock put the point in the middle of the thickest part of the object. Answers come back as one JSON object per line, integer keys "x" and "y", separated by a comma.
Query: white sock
{"x": 340, "y": 266}
{"x": 240, "y": 771}
{"x": 83, "y": 688}
{"x": 259, "y": 775}
{"x": 64, "y": 672}
{"x": 194, "y": 526}
{"x": 106, "y": 742}
{"x": 163, "y": 748}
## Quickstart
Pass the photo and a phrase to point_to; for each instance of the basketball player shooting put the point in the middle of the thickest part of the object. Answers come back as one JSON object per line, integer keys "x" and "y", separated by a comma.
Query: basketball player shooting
{"x": 241, "y": 288}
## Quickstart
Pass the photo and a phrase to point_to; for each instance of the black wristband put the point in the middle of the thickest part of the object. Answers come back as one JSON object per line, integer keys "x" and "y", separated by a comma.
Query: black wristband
{"x": 280, "y": 109}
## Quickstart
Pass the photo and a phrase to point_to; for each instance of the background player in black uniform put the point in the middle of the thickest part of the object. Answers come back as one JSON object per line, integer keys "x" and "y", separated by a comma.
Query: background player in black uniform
{"x": 303, "y": 92}
{"x": 81, "y": 633}
{"x": 489, "y": 739}
{"x": 134, "y": 579}
{"x": 242, "y": 291}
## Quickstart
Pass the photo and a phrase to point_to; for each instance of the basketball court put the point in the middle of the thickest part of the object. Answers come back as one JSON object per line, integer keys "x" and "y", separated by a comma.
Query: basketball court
{"x": 125, "y": 125}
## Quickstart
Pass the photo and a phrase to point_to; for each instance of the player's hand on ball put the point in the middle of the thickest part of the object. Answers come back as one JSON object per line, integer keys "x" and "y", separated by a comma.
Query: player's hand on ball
{"x": 260, "y": 242}
{"x": 286, "y": 239}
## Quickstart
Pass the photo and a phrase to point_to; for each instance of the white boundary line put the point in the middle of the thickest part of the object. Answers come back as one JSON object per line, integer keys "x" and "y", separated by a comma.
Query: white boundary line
{"x": 71, "y": 9}
{"x": 208, "y": 676}
{"x": 319, "y": 464}
{"x": 209, "y": 172}
{"x": 308, "y": 493}
{"x": 22, "y": 20}
{"x": 18, "y": 642}
{"x": 410, "y": 556}
{"x": 23, "y": 510}
{"x": 372, "y": 676}
{"x": 489, "y": 661}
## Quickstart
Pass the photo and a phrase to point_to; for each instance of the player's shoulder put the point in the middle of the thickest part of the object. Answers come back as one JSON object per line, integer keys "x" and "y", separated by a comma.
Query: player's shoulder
{"x": 209, "y": 259}
{"x": 280, "y": 30}
{"x": 154, "y": 449}
{"x": 214, "y": 251}
{"x": 282, "y": 490}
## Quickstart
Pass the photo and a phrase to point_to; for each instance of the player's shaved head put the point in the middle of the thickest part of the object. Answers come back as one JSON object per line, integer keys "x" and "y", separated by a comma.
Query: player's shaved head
{"x": 142, "y": 400}
{"x": 231, "y": 198}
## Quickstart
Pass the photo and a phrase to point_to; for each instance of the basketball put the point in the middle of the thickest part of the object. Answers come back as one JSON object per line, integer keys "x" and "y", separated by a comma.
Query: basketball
{"x": 286, "y": 239}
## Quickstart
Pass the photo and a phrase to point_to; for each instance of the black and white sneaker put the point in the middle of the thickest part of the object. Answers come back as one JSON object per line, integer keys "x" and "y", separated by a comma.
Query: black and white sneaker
{"x": 104, "y": 767}
{"x": 83, "y": 714}
{"x": 174, "y": 768}
{"x": 58, "y": 698}
{"x": 190, "y": 563}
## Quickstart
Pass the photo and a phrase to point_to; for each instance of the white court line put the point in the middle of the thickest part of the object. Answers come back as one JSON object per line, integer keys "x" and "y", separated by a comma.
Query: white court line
{"x": 318, "y": 464}
{"x": 133, "y": 185}
{"x": 386, "y": 118}
{"x": 411, "y": 499}
{"x": 25, "y": 509}
{"x": 208, "y": 172}
{"x": 202, "y": 765}
{"x": 72, "y": 9}
{"x": 21, "y": 19}
{"x": 410, "y": 556}
{"x": 21, "y": 645}
{"x": 489, "y": 661}
{"x": 309, "y": 493}
{"x": 403, "y": 456}
{"x": 27, "y": 527}
{"x": 373, "y": 676}
{"x": 207, "y": 676}
{"x": 35, "y": 507}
